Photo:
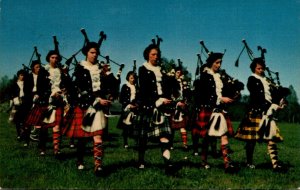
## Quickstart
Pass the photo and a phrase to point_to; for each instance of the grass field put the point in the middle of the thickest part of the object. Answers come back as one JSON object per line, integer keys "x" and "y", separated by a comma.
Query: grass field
{"x": 23, "y": 167}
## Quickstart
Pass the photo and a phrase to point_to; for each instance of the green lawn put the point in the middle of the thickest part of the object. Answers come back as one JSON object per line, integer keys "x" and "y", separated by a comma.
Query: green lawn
{"x": 23, "y": 167}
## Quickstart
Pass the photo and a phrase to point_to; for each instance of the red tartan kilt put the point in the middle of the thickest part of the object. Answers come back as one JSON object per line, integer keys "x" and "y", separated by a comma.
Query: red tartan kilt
{"x": 230, "y": 131}
{"x": 58, "y": 118}
{"x": 200, "y": 127}
{"x": 178, "y": 125}
{"x": 75, "y": 130}
{"x": 201, "y": 122}
{"x": 35, "y": 115}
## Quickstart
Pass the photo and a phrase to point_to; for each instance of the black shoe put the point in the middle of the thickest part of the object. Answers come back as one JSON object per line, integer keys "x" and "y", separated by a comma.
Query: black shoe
{"x": 185, "y": 147}
{"x": 280, "y": 169}
{"x": 171, "y": 170}
{"x": 59, "y": 156}
{"x": 99, "y": 172}
{"x": 231, "y": 169}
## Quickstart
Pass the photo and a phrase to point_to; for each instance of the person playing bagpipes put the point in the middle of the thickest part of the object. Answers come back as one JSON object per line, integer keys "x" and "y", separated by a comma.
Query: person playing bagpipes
{"x": 59, "y": 80}
{"x": 128, "y": 99}
{"x": 36, "y": 97}
{"x": 91, "y": 101}
{"x": 113, "y": 81}
{"x": 17, "y": 106}
{"x": 259, "y": 123}
{"x": 212, "y": 120}
{"x": 178, "y": 118}
{"x": 153, "y": 100}
{"x": 112, "y": 87}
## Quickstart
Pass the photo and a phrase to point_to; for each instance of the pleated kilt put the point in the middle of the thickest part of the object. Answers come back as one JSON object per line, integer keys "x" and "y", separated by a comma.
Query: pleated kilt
{"x": 74, "y": 128}
{"x": 58, "y": 118}
{"x": 36, "y": 115}
{"x": 178, "y": 124}
{"x": 248, "y": 128}
{"x": 201, "y": 125}
{"x": 147, "y": 128}
{"x": 67, "y": 119}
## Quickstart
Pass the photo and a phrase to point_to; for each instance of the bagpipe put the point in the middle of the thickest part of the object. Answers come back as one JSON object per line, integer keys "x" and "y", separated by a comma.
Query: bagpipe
{"x": 27, "y": 68}
{"x": 278, "y": 92}
{"x": 110, "y": 83}
{"x": 231, "y": 87}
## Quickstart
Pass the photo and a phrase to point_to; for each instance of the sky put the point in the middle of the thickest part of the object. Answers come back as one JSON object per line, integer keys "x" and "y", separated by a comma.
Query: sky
{"x": 131, "y": 24}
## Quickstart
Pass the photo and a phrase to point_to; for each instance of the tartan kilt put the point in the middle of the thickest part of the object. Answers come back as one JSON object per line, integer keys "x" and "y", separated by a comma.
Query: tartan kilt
{"x": 36, "y": 115}
{"x": 67, "y": 119}
{"x": 178, "y": 125}
{"x": 58, "y": 119}
{"x": 146, "y": 128}
{"x": 74, "y": 129}
{"x": 199, "y": 128}
{"x": 248, "y": 128}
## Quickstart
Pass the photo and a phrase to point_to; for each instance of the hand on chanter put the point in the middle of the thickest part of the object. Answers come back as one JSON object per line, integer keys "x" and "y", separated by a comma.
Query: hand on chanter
{"x": 167, "y": 101}
{"x": 226, "y": 100}
{"x": 104, "y": 102}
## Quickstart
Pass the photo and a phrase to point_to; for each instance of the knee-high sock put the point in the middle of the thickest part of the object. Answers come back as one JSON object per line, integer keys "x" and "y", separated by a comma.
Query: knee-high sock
{"x": 172, "y": 137}
{"x": 43, "y": 137}
{"x": 273, "y": 152}
{"x": 204, "y": 150}
{"x": 142, "y": 149}
{"x": 80, "y": 150}
{"x": 18, "y": 128}
{"x": 226, "y": 156}
{"x": 165, "y": 150}
{"x": 249, "y": 152}
{"x": 125, "y": 134}
{"x": 213, "y": 145}
{"x": 184, "y": 137}
{"x": 98, "y": 154}
{"x": 195, "y": 139}
{"x": 25, "y": 133}
{"x": 56, "y": 141}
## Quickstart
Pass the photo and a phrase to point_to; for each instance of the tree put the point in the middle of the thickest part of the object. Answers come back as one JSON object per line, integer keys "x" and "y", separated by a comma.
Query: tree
{"x": 292, "y": 112}
{"x": 5, "y": 86}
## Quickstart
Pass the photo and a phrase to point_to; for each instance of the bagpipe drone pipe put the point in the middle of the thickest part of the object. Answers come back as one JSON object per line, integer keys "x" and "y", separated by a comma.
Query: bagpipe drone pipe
{"x": 278, "y": 92}
{"x": 231, "y": 87}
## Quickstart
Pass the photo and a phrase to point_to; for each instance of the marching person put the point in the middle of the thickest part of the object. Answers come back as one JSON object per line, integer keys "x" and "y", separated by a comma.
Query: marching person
{"x": 178, "y": 117}
{"x": 154, "y": 98}
{"x": 17, "y": 106}
{"x": 36, "y": 97}
{"x": 112, "y": 87}
{"x": 261, "y": 103}
{"x": 89, "y": 120}
{"x": 128, "y": 99}
{"x": 212, "y": 121}
{"x": 57, "y": 100}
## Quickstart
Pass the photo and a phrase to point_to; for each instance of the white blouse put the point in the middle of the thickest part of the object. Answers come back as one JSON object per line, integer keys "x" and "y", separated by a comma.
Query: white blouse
{"x": 95, "y": 74}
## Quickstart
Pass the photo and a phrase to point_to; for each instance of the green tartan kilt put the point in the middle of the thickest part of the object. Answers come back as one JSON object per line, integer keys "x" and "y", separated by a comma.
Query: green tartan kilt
{"x": 146, "y": 128}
